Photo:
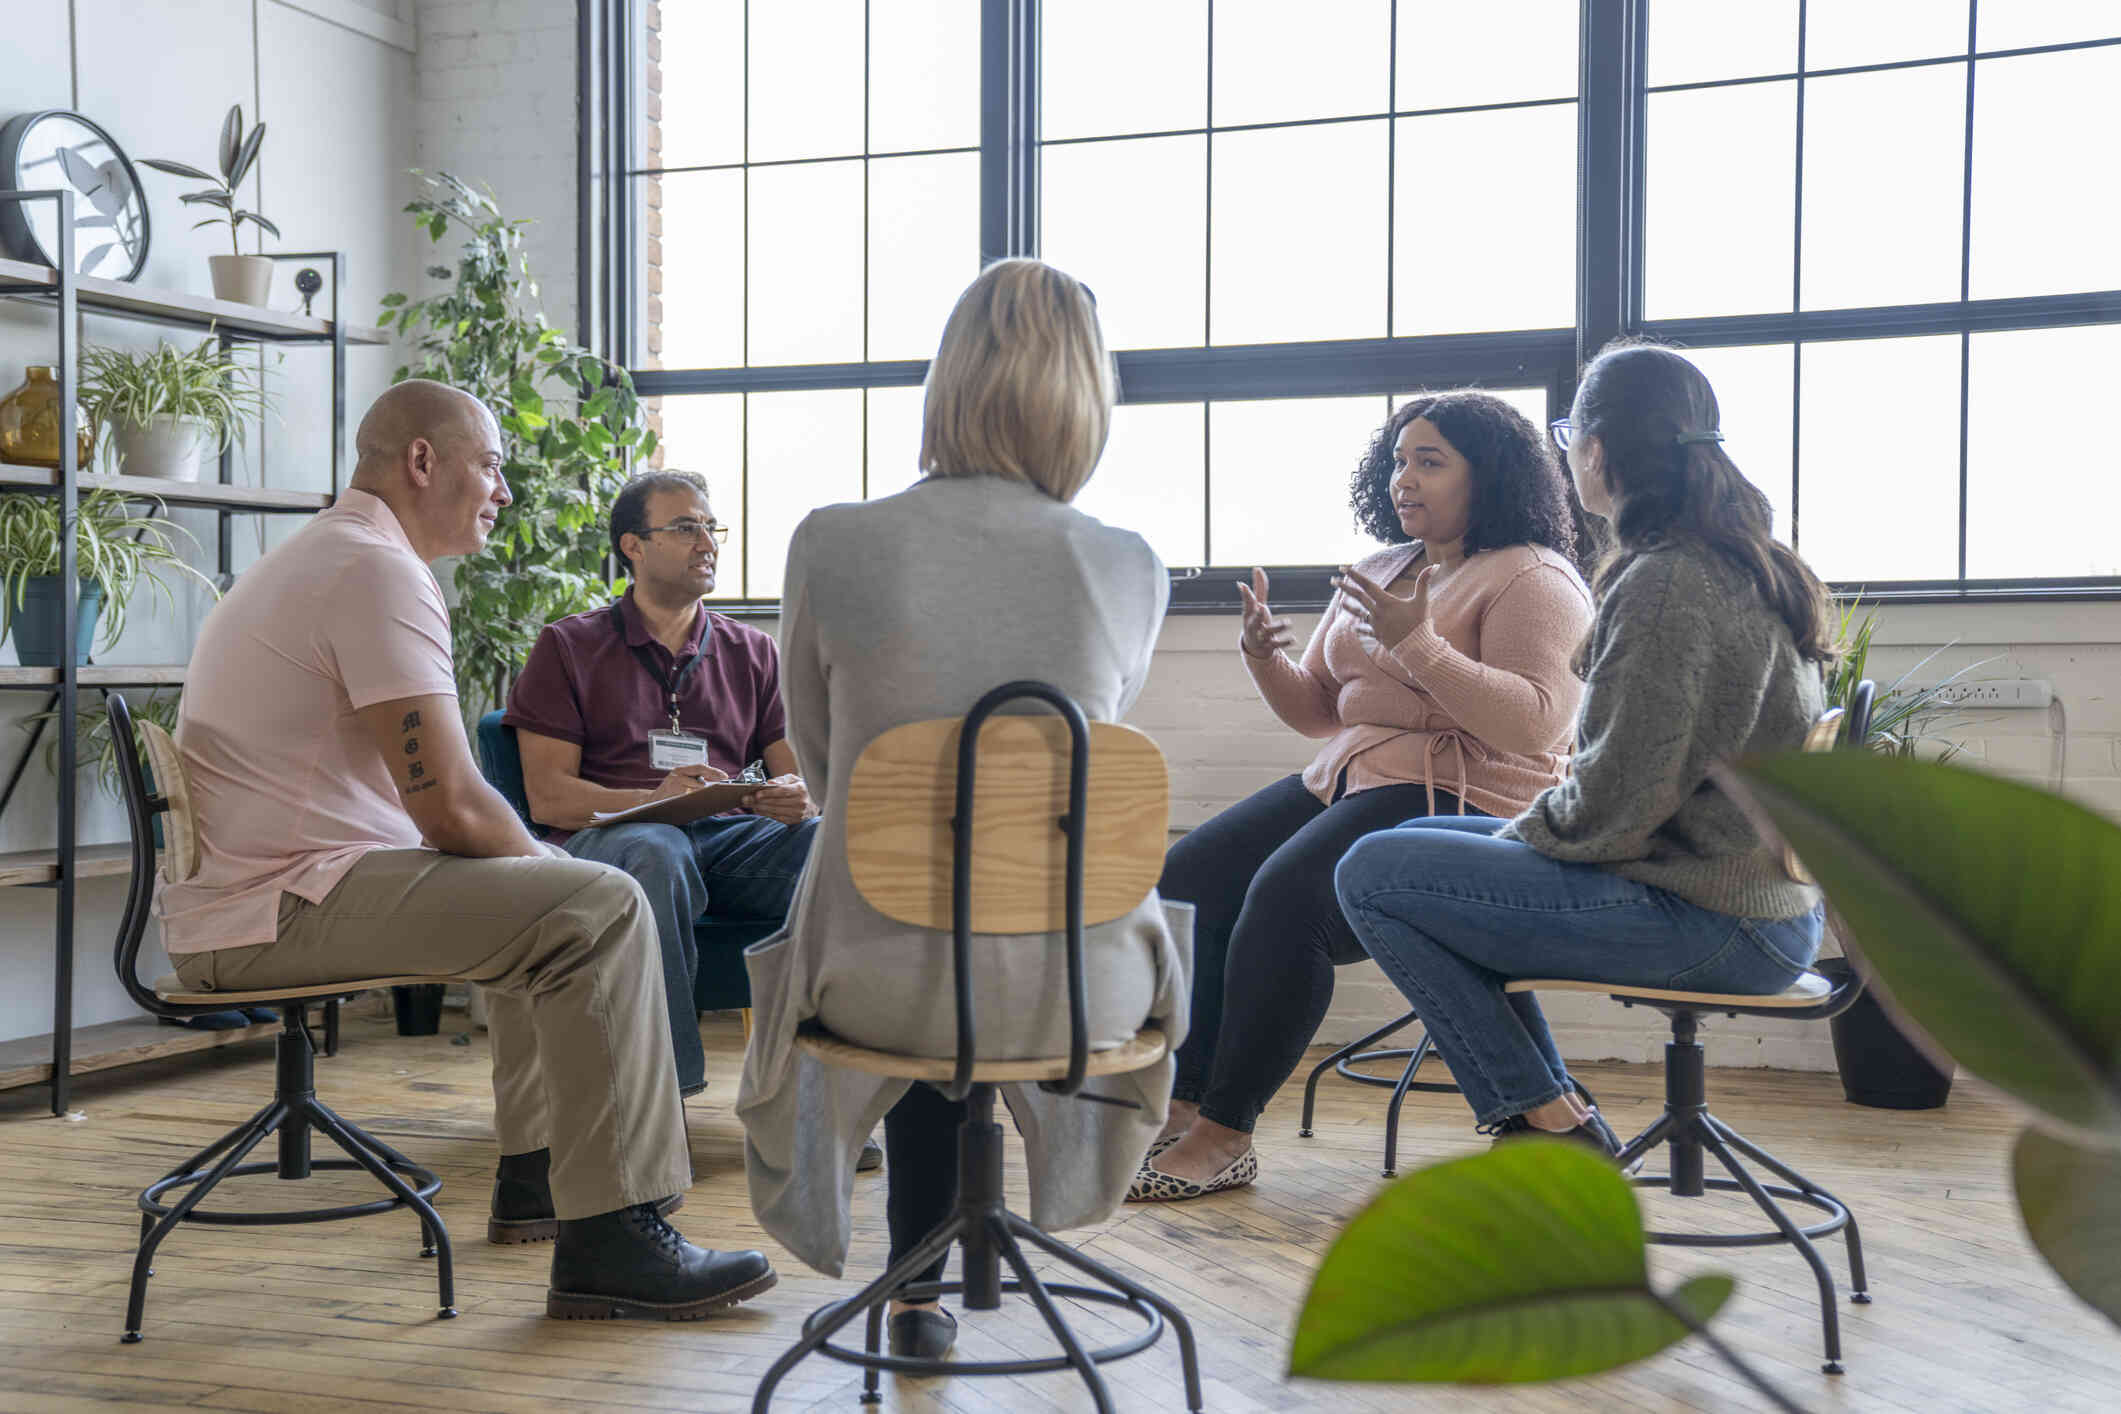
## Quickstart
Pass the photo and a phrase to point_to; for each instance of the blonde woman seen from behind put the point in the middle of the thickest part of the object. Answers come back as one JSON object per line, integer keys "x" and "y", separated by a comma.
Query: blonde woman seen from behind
{"x": 912, "y": 607}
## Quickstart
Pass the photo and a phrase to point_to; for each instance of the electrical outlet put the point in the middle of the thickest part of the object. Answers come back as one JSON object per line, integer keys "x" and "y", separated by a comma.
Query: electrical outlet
{"x": 2001, "y": 694}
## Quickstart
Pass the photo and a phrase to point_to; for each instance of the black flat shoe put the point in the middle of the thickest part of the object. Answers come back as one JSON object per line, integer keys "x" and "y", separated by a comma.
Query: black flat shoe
{"x": 924, "y": 1333}
{"x": 1594, "y": 1133}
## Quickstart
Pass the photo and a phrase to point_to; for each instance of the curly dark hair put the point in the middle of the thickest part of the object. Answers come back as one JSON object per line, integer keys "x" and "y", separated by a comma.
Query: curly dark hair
{"x": 1520, "y": 496}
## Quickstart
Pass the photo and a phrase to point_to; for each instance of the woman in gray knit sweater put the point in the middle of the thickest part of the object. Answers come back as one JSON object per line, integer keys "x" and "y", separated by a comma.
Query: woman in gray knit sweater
{"x": 1637, "y": 870}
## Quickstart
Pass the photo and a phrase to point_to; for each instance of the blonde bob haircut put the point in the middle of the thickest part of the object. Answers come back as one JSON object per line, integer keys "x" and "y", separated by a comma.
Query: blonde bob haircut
{"x": 1022, "y": 387}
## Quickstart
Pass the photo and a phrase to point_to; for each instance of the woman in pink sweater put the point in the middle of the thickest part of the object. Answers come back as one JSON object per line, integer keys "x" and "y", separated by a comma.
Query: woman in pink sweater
{"x": 1439, "y": 680}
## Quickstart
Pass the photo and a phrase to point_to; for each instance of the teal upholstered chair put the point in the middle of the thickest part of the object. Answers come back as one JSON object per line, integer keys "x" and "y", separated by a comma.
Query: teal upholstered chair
{"x": 722, "y": 984}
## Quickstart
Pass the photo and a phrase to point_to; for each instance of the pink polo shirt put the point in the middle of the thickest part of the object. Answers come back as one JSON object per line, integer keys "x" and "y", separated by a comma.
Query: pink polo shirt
{"x": 289, "y": 788}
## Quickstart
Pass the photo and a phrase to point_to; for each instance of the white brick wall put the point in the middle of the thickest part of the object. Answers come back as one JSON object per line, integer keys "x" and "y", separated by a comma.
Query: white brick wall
{"x": 495, "y": 86}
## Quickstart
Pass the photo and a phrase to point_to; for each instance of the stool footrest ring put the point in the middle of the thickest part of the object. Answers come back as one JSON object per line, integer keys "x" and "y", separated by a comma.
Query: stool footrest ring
{"x": 920, "y": 1291}
{"x": 426, "y": 1185}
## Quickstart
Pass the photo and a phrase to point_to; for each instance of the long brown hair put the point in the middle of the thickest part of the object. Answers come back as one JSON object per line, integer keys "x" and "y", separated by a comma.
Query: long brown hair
{"x": 1656, "y": 417}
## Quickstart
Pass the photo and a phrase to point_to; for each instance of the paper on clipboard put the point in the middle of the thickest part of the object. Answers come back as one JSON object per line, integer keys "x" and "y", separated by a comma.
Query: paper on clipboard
{"x": 681, "y": 809}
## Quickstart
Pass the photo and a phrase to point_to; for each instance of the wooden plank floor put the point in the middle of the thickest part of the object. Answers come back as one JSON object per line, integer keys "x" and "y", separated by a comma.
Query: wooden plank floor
{"x": 340, "y": 1316}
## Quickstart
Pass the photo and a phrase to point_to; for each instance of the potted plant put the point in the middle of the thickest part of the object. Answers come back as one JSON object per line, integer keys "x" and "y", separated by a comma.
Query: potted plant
{"x": 570, "y": 425}
{"x": 98, "y": 748}
{"x": 1880, "y": 1065}
{"x": 114, "y": 550}
{"x": 169, "y": 407}
{"x": 246, "y": 279}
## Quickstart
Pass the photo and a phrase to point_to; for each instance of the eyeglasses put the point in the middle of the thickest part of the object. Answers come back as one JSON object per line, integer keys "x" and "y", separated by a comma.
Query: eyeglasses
{"x": 691, "y": 530}
{"x": 1562, "y": 432}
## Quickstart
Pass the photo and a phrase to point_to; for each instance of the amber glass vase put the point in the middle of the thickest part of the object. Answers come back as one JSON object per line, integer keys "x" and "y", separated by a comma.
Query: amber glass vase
{"x": 29, "y": 424}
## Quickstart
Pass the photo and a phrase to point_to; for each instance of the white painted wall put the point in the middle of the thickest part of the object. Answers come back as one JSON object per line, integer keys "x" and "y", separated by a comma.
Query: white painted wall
{"x": 496, "y": 89}
{"x": 333, "y": 79}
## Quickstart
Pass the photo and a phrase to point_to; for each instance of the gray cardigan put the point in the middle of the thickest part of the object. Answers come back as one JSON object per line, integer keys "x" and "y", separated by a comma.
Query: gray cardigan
{"x": 894, "y": 611}
{"x": 1688, "y": 666}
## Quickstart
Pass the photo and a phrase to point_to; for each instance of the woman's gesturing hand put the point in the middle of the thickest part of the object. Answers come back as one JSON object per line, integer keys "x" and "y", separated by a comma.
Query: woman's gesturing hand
{"x": 1263, "y": 634}
{"x": 1388, "y": 617}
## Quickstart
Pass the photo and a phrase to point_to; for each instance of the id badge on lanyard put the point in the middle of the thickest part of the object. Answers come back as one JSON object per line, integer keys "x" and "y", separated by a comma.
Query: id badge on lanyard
{"x": 668, "y": 750}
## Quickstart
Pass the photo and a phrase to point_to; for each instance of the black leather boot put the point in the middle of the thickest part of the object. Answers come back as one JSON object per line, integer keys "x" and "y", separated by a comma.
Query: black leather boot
{"x": 632, "y": 1264}
{"x": 522, "y": 1200}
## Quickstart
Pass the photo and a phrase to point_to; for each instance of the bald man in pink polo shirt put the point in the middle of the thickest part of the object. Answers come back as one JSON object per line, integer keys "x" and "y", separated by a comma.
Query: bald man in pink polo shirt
{"x": 346, "y": 832}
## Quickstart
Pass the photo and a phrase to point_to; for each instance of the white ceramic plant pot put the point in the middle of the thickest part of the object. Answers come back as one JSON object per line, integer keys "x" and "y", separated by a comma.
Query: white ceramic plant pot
{"x": 167, "y": 447}
{"x": 246, "y": 279}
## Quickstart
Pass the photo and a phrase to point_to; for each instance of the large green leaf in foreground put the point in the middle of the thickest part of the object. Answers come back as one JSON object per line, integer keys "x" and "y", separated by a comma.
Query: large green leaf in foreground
{"x": 1524, "y": 1263}
{"x": 2071, "y": 1200}
{"x": 1991, "y": 911}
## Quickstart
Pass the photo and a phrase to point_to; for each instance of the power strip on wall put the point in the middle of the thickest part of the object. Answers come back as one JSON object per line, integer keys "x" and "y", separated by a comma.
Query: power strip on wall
{"x": 2001, "y": 694}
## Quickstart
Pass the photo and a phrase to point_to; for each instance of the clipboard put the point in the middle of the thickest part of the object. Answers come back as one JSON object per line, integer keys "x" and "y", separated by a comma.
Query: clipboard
{"x": 680, "y": 809}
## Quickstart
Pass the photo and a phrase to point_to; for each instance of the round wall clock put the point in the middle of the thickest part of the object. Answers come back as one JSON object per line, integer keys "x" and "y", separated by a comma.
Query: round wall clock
{"x": 39, "y": 151}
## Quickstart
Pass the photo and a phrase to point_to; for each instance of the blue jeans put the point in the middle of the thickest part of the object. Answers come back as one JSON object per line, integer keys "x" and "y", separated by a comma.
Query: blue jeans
{"x": 735, "y": 868}
{"x": 1451, "y": 913}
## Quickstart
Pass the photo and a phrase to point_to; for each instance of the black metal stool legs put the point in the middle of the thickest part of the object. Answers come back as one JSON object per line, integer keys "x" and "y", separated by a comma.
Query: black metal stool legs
{"x": 991, "y": 1235}
{"x": 240, "y": 1142}
{"x": 1859, "y": 1285}
{"x": 1691, "y": 1133}
{"x": 1188, "y": 1357}
{"x": 292, "y": 1116}
{"x": 434, "y": 1236}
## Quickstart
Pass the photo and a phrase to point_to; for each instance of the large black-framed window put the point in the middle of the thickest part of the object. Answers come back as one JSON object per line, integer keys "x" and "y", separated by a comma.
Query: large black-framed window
{"x": 1842, "y": 208}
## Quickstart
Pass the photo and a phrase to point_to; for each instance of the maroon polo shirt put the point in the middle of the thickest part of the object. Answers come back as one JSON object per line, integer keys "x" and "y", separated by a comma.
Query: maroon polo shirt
{"x": 584, "y": 684}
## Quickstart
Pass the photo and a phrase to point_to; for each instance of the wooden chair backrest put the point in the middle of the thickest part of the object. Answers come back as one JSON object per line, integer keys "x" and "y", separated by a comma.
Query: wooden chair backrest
{"x": 902, "y": 795}
{"x": 180, "y": 826}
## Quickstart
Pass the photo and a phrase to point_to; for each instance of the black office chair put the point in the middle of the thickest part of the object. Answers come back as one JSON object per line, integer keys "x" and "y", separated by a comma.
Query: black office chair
{"x": 901, "y": 853}
{"x": 294, "y": 1110}
{"x": 1688, "y": 1129}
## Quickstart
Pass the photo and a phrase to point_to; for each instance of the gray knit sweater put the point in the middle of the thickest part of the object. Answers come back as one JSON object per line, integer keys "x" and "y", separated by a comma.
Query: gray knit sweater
{"x": 1689, "y": 666}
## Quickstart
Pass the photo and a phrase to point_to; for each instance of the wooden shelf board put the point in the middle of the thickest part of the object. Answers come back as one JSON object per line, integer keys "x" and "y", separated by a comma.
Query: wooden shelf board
{"x": 176, "y": 307}
{"x": 98, "y": 675}
{"x": 175, "y": 493}
{"x": 28, "y": 1061}
{"x": 41, "y": 866}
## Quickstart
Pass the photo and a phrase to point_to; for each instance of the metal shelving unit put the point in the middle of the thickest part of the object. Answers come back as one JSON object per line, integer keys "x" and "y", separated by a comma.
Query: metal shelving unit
{"x": 61, "y": 868}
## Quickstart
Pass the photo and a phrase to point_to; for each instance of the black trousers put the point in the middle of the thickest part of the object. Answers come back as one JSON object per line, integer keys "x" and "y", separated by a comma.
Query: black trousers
{"x": 1268, "y": 932}
{"x": 920, "y": 1170}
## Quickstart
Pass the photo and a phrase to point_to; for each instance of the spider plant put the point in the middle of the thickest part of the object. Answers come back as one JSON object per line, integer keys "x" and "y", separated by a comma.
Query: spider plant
{"x": 1899, "y": 713}
{"x": 98, "y": 747}
{"x": 206, "y": 384}
{"x": 112, "y": 547}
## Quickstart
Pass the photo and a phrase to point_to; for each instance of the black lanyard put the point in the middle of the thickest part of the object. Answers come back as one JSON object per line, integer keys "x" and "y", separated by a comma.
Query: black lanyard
{"x": 672, "y": 686}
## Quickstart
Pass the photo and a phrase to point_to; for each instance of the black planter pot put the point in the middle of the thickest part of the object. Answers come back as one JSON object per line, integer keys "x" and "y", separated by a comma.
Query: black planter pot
{"x": 1880, "y": 1067}
{"x": 419, "y": 1008}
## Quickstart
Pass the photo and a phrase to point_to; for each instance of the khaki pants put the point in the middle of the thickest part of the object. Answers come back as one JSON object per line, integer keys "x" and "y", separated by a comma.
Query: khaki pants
{"x": 567, "y": 952}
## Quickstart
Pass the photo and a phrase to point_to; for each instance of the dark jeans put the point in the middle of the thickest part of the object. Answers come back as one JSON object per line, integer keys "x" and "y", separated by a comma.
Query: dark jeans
{"x": 1268, "y": 933}
{"x": 920, "y": 1166}
{"x": 738, "y": 868}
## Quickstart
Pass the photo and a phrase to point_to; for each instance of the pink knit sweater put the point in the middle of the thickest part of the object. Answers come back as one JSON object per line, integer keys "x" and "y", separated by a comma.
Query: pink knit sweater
{"x": 1482, "y": 703}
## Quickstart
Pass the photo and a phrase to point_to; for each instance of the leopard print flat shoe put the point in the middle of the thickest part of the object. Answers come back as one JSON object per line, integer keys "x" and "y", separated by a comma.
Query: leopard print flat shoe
{"x": 1153, "y": 1185}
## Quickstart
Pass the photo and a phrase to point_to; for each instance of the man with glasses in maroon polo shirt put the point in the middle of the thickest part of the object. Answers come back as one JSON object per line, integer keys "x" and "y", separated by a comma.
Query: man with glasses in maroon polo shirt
{"x": 652, "y": 697}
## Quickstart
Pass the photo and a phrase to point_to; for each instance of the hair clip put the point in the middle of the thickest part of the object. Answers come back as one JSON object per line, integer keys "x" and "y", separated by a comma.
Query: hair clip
{"x": 1688, "y": 439}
